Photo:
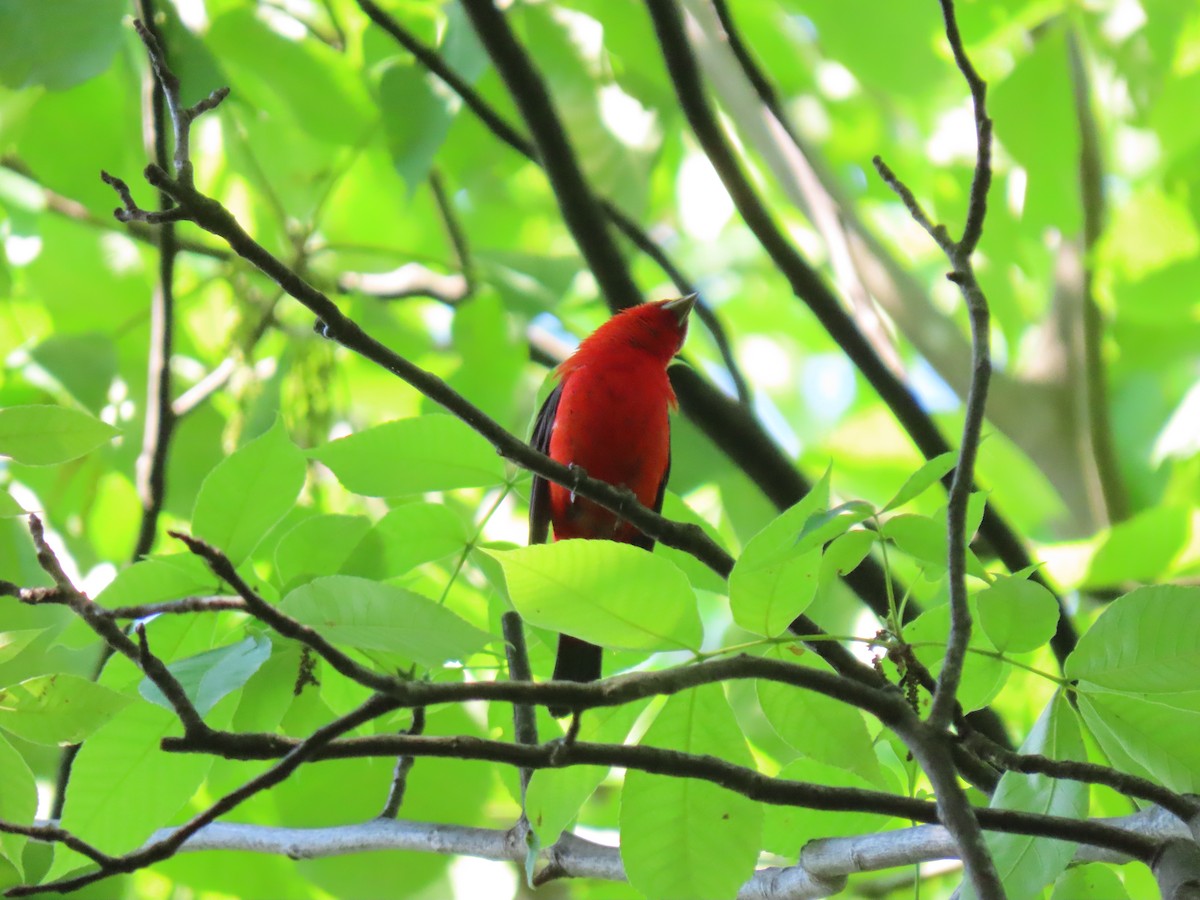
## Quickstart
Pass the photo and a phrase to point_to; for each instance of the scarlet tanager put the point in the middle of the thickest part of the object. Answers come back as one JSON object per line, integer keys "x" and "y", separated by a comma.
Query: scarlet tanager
{"x": 608, "y": 415}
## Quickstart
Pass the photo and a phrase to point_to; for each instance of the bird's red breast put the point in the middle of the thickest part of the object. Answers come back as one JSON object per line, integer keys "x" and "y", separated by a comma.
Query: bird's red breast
{"x": 612, "y": 415}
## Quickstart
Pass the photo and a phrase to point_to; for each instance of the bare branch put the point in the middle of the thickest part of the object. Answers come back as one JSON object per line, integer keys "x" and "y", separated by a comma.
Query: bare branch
{"x": 1185, "y": 806}
{"x": 524, "y": 722}
{"x": 178, "y": 607}
{"x": 404, "y": 764}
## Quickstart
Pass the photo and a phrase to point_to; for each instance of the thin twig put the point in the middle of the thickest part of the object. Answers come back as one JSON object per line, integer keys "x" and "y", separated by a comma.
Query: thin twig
{"x": 524, "y": 721}
{"x": 1094, "y": 380}
{"x": 53, "y": 834}
{"x": 404, "y": 764}
{"x": 1185, "y": 806}
{"x": 454, "y": 230}
{"x": 178, "y": 607}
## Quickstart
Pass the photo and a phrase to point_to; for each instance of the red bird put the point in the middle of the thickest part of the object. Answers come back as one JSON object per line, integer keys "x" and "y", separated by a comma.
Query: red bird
{"x": 608, "y": 415}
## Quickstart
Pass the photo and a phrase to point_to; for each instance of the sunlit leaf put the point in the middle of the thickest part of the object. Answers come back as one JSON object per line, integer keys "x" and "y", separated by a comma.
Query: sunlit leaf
{"x": 373, "y": 616}
{"x": 612, "y": 594}
{"x": 1017, "y": 614}
{"x": 39, "y": 50}
{"x": 922, "y": 480}
{"x": 1154, "y": 733}
{"x": 123, "y": 786}
{"x": 57, "y": 709}
{"x": 775, "y": 578}
{"x": 683, "y": 838}
{"x": 45, "y": 435}
{"x": 412, "y": 456}
{"x": 983, "y": 674}
{"x": 1145, "y": 642}
{"x": 18, "y": 800}
{"x": 248, "y": 492}
{"x": 823, "y": 728}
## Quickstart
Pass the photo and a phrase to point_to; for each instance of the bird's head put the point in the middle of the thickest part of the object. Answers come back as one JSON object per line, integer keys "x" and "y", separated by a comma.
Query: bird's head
{"x": 657, "y": 329}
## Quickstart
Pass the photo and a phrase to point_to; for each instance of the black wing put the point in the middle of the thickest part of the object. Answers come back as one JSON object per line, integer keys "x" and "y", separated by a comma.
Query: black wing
{"x": 539, "y": 495}
{"x": 641, "y": 540}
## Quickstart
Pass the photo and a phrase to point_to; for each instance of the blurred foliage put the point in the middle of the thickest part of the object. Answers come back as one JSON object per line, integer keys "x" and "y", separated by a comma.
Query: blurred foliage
{"x": 368, "y": 513}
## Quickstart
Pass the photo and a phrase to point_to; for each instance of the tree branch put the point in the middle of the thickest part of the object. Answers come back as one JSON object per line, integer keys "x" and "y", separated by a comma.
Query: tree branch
{"x": 739, "y": 779}
{"x": 822, "y": 866}
{"x": 1094, "y": 383}
{"x": 404, "y": 764}
{"x": 159, "y": 416}
{"x": 524, "y": 722}
{"x": 1185, "y": 806}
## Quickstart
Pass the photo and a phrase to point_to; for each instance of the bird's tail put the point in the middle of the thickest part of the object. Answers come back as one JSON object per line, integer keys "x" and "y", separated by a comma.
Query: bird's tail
{"x": 576, "y": 661}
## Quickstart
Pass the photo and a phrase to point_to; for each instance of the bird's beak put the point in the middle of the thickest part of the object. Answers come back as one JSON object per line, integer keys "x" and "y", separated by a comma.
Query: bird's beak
{"x": 682, "y": 307}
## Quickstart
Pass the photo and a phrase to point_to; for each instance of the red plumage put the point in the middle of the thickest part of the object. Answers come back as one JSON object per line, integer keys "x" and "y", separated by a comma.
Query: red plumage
{"x": 609, "y": 416}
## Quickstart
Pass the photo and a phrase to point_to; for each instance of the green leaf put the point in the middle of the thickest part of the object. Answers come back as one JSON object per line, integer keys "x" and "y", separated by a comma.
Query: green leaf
{"x": 158, "y": 578}
{"x": 840, "y": 740}
{"x": 1141, "y": 548}
{"x": 412, "y": 456}
{"x": 775, "y": 578}
{"x": 1145, "y": 642}
{"x": 13, "y": 642}
{"x": 555, "y": 796}
{"x": 57, "y": 709}
{"x": 1027, "y": 864}
{"x": 313, "y": 83}
{"x": 8, "y": 506}
{"x": 924, "y": 538}
{"x": 409, "y": 535}
{"x": 84, "y": 364}
{"x": 248, "y": 492}
{"x": 58, "y": 43}
{"x": 786, "y": 829}
{"x": 45, "y": 435}
{"x": 373, "y": 616}
{"x": 207, "y": 677}
{"x": 612, "y": 594}
{"x": 18, "y": 800}
{"x": 123, "y": 786}
{"x": 682, "y": 838}
{"x": 1159, "y": 736}
{"x": 923, "y": 479}
{"x": 1016, "y": 614}
{"x": 700, "y": 575}
{"x": 1095, "y": 881}
{"x": 417, "y": 112}
{"x": 983, "y": 676}
{"x": 1032, "y": 109}
{"x": 823, "y": 527}
{"x": 845, "y": 553}
{"x": 318, "y": 546}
